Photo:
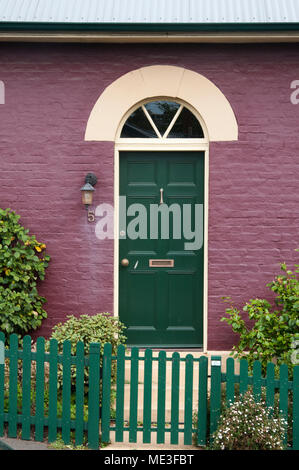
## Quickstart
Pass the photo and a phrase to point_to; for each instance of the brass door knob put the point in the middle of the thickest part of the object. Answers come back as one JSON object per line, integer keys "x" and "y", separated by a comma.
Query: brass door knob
{"x": 124, "y": 262}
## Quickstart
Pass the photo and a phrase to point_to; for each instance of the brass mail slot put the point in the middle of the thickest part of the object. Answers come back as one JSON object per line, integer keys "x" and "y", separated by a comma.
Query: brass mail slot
{"x": 161, "y": 263}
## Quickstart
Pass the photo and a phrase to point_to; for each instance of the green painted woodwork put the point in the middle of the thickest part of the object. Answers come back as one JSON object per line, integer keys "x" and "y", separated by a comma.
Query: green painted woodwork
{"x": 175, "y": 390}
{"x": 161, "y": 306}
{"x": 134, "y": 394}
{"x": 120, "y": 393}
{"x": 106, "y": 392}
{"x": 147, "y": 396}
{"x": 94, "y": 396}
{"x": 53, "y": 363}
{"x": 202, "y": 402}
{"x": 40, "y": 389}
{"x": 188, "y": 399}
{"x": 230, "y": 380}
{"x": 99, "y": 393}
{"x": 79, "y": 421}
{"x": 296, "y": 408}
{"x": 2, "y": 377}
{"x": 161, "y": 397}
{"x": 26, "y": 388}
{"x": 13, "y": 385}
{"x": 66, "y": 392}
{"x": 215, "y": 402}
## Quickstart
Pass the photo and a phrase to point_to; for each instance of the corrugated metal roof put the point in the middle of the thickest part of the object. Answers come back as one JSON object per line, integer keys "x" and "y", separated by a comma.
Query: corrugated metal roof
{"x": 149, "y": 11}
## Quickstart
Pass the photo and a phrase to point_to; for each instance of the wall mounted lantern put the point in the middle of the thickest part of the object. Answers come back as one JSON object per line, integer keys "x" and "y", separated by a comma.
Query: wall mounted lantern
{"x": 87, "y": 194}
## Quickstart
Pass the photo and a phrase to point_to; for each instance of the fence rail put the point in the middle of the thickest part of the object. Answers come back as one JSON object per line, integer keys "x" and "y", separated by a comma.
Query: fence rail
{"x": 31, "y": 400}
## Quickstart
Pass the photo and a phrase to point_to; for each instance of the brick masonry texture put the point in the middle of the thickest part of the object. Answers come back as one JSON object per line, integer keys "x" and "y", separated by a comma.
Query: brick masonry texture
{"x": 253, "y": 187}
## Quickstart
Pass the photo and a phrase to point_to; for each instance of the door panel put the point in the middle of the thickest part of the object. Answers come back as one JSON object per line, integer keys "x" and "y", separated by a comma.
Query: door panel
{"x": 161, "y": 306}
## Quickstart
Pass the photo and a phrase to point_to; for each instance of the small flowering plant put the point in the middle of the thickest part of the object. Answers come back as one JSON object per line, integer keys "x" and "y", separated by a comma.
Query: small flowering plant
{"x": 247, "y": 425}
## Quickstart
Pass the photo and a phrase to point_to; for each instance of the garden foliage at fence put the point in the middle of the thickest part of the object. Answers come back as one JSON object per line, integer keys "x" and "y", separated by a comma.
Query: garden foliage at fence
{"x": 31, "y": 402}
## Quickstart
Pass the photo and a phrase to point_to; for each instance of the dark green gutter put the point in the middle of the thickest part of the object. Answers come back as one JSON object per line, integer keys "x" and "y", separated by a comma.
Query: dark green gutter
{"x": 149, "y": 27}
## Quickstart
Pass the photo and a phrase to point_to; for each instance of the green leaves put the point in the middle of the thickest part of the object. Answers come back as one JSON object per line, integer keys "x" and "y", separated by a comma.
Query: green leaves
{"x": 22, "y": 264}
{"x": 271, "y": 331}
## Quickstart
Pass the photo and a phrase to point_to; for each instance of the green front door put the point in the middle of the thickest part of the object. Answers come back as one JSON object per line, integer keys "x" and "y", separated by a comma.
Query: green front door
{"x": 162, "y": 306}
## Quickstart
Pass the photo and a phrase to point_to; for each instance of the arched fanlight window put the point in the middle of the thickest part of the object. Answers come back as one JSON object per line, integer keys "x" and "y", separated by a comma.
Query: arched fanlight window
{"x": 162, "y": 119}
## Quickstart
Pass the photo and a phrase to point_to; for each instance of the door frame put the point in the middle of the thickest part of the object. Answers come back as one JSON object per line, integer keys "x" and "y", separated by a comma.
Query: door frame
{"x": 179, "y": 145}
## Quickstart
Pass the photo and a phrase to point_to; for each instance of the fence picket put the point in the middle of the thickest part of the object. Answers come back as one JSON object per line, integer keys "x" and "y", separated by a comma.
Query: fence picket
{"x": 94, "y": 396}
{"x": 79, "y": 420}
{"x": 175, "y": 390}
{"x": 106, "y": 393}
{"x": 66, "y": 392}
{"x": 215, "y": 398}
{"x": 243, "y": 376}
{"x": 257, "y": 381}
{"x": 98, "y": 396}
{"x": 230, "y": 381}
{"x": 296, "y": 408}
{"x": 134, "y": 395}
{"x": 161, "y": 397}
{"x": 202, "y": 402}
{"x": 147, "y": 396}
{"x": 188, "y": 399}
{"x": 26, "y": 388}
{"x": 2, "y": 379}
{"x": 52, "y": 413}
{"x": 270, "y": 386}
{"x": 120, "y": 392}
{"x": 40, "y": 389}
{"x": 13, "y": 386}
{"x": 283, "y": 393}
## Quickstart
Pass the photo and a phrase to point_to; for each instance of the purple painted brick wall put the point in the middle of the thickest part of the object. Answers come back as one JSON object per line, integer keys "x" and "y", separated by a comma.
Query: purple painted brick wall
{"x": 253, "y": 196}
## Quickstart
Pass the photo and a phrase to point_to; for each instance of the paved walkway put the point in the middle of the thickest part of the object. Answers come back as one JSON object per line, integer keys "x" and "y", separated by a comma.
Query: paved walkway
{"x": 19, "y": 444}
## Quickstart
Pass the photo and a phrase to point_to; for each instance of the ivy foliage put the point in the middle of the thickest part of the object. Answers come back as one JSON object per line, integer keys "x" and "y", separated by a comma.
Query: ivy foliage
{"x": 273, "y": 330}
{"x": 23, "y": 262}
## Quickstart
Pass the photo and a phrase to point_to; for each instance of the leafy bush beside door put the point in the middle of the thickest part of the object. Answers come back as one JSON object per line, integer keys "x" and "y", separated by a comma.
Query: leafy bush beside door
{"x": 23, "y": 263}
{"x": 275, "y": 330}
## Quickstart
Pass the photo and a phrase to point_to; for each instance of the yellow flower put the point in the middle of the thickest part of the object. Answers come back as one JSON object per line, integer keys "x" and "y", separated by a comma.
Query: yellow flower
{"x": 7, "y": 271}
{"x": 43, "y": 246}
{"x": 38, "y": 249}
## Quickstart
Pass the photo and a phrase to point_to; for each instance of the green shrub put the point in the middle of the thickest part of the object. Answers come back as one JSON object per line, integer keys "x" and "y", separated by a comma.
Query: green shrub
{"x": 272, "y": 332}
{"x": 22, "y": 263}
{"x": 101, "y": 328}
{"x": 247, "y": 425}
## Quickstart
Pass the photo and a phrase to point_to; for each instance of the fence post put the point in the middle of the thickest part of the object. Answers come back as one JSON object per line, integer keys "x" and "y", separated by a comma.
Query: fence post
{"x": 53, "y": 375}
{"x": 79, "y": 422}
{"x": 147, "y": 396}
{"x": 134, "y": 394}
{"x": 2, "y": 369}
{"x": 188, "y": 399}
{"x": 230, "y": 381}
{"x": 243, "y": 376}
{"x": 175, "y": 391}
{"x": 215, "y": 397}
{"x": 283, "y": 394}
{"x": 13, "y": 385}
{"x": 270, "y": 386}
{"x": 120, "y": 393}
{"x": 40, "y": 389}
{"x": 94, "y": 396}
{"x": 296, "y": 408}
{"x": 66, "y": 392}
{"x": 26, "y": 388}
{"x": 106, "y": 393}
{"x": 257, "y": 381}
{"x": 161, "y": 397}
{"x": 202, "y": 401}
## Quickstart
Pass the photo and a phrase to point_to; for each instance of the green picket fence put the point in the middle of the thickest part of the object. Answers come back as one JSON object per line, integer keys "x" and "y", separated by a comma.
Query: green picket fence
{"x": 88, "y": 413}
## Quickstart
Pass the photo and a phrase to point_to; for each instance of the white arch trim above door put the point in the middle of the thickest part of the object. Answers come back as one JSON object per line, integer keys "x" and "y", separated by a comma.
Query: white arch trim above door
{"x": 162, "y": 81}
